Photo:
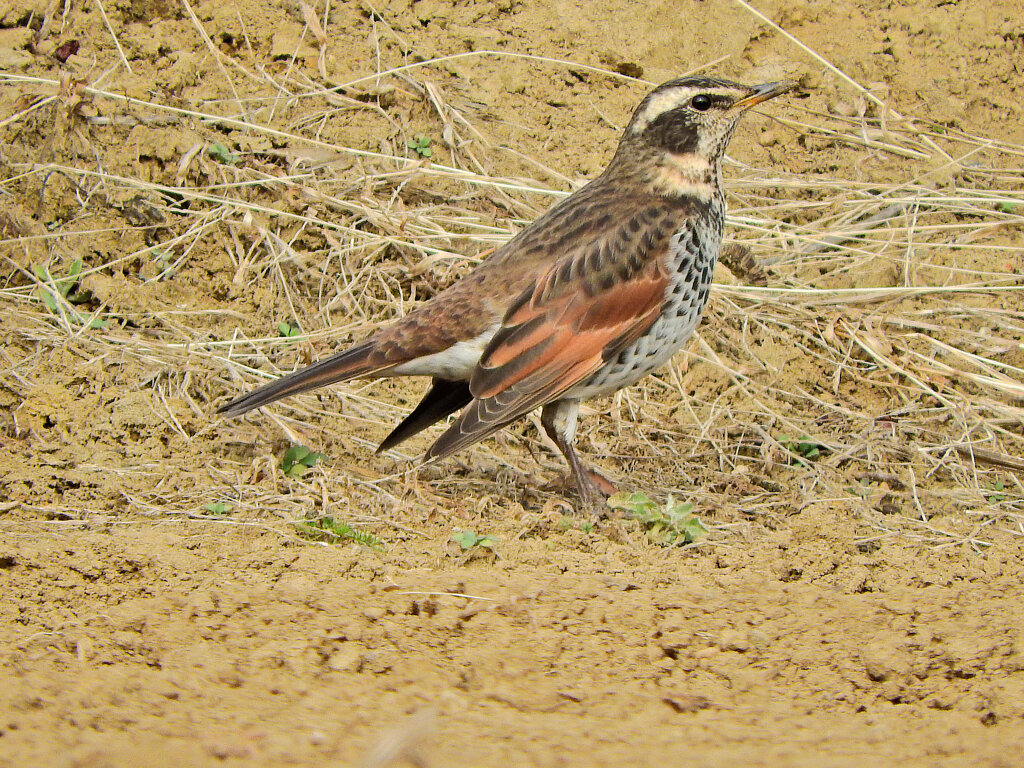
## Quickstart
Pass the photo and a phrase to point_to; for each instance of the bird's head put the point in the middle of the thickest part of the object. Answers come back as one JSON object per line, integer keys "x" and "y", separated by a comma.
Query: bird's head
{"x": 685, "y": 124}
{"x": 696, "y": 114}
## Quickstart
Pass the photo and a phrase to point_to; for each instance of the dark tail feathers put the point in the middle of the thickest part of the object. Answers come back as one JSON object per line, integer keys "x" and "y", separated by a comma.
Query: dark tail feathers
{"x": 443, "y": 397}
{"x": 351, "y": 364}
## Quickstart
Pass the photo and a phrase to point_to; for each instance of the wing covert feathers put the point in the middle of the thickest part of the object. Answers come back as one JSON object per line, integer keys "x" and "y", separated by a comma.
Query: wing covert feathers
{"x": 578, "y": 314}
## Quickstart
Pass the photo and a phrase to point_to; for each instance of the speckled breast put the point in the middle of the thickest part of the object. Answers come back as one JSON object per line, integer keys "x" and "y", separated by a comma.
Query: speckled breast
{"x": 693, "y": 251}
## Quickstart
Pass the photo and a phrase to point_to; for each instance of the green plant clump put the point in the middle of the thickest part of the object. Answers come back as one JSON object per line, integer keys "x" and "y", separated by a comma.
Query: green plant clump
{"x": 289, "y": 331}
{"x": 298, "y": 459}
{"x": 805, "y": 449}
{"x": 468, "y": 540}
{"x": 334, "y": 531}
{"x": 671, "y": 525}
{"x": 997, "y": 496}
{"x": 223, "y": 155}
{"x": 58, "y": 292}
{"x": 421, "y": 146}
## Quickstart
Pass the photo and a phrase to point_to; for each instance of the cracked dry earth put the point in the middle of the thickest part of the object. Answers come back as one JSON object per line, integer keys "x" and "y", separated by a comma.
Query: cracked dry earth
{"x": 136, "y": 630}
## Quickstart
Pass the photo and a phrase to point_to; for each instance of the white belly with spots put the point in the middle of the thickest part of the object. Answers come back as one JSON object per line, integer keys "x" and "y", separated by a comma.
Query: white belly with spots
{"x": 693, "y": 256}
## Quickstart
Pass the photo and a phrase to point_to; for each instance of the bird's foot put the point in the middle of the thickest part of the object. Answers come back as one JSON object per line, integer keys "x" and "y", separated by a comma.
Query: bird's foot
{"x": 592, "y": 488}
{"x": 604, "y": 486}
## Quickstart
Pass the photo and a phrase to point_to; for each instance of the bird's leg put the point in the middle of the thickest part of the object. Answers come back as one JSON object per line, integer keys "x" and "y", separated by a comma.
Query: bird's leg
{"x": 559, "y": 421}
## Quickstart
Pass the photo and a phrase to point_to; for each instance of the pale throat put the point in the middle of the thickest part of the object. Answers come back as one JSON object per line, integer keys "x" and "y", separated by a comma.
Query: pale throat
{"x": 686, "y": 173}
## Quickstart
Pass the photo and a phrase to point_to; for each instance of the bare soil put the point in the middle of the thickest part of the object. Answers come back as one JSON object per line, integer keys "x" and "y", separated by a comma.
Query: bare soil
{"x": 161, "y": 606}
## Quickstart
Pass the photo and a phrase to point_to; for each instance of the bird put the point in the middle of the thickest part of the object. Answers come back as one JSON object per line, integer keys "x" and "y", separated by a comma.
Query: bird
{"x": 597, "y": 292}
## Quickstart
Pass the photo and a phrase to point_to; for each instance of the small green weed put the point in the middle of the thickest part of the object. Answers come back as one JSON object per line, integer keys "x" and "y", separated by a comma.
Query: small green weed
{"x": 421, "y": 146}
{"x": 567, "y": 522}
{"x": 468, "y": 540}
{"x": 862, "y": 488}
{"x": 298, "y": 459}
{"x": 804, "y": 449}
{"x": 1004, "y": 207}
{"x": 218, "y": 508}
{"x": 997, "y": 494}
{"x": 223, "y": 155}
{"x": 289, "y": 331}
{"x": 671, "y": 525}
{"x": 57, "y": 292}
{"x": 161, "y": 257}
{"x": 334, "y": 531}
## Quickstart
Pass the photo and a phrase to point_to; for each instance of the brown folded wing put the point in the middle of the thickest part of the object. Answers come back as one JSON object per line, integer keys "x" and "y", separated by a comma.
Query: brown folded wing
{"x": 574, "y": 318}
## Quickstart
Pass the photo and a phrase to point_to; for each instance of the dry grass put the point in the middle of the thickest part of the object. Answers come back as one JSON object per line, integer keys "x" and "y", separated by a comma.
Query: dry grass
{"x": 889, "y": 329}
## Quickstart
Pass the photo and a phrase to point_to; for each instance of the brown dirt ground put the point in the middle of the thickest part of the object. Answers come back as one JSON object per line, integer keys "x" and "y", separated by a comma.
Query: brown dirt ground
{"x": 811, "y": 628}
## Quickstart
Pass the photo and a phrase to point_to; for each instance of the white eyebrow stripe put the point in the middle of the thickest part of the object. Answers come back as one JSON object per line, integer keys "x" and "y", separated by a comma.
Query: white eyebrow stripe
{"x": 670, "y": 99}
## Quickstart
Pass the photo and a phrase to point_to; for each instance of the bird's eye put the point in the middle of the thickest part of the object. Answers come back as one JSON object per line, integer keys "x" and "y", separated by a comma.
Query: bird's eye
{"x": 701, "y": 102}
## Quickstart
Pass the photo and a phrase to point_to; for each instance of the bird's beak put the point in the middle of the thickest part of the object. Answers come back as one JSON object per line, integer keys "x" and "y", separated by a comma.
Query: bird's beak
{"x": 763, "y": 93}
